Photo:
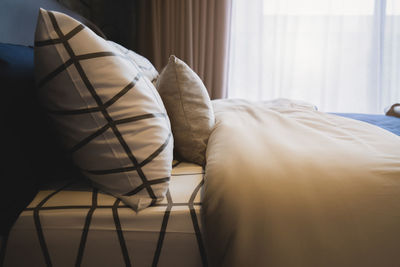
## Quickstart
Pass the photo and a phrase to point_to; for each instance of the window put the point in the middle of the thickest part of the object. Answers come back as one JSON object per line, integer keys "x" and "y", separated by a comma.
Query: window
{"x": 341, "y": 55}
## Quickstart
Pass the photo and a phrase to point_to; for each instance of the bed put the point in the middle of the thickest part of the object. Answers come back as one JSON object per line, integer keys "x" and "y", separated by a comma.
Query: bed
{"x": 56, "y": 214}
{"x": 225, "y": 213}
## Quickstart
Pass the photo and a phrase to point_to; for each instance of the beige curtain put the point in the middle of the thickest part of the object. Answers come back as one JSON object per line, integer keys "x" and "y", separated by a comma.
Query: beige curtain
{"x": 196, "y": 31}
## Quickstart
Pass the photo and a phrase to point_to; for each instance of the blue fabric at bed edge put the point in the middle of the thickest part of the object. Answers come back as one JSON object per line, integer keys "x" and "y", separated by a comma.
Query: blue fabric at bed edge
{"x": 389, "y": 123}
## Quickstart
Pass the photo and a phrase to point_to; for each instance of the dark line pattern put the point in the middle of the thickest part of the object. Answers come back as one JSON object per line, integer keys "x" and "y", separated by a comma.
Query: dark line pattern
{"x": 54, "y": 73}
{"x": 134, "y": 161}
{"x": 176, "y": 163}
{"x": 73, "y": 112}
{"x": 85, "y": 141}
{"x": 64, "y": 38}
{"x": 142, "y": 186}
{"x": 98, "y": 109}
{"x": 157, "y": 152}
{"x": 140, "y": 117}
{"x": 74, "y": 31}
{"x": 111, "y": 171}
{"x": 68, "y": 36}
{"x": 69, "y": 62}
{"x": 126, "y": 89}
{"x": 120, "y": 233}
{"x": 38, "y": 225}
{"x": 184, "y": 174}
{"x": 85, "y": 230}
{"x": 162, "y": 230}
{"x": 169, "y": 205}
{"x": 48, "y": 42}
{"x": 196, "y": 224}
{"x": 112, "y": 124}
{"x": 132, "y": 168}
{"x": 100, "y": 131}
{"x": 175, "y": 204}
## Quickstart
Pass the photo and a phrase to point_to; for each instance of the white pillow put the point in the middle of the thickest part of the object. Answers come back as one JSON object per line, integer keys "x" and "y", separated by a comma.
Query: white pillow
{"x": 108, "y": 115}
{"x": 143, "y": 63}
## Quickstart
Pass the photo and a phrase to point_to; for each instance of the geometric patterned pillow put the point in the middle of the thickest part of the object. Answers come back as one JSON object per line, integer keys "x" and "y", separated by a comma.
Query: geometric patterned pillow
{"x": 108, "y": 116}
{"x": 143, "y": 63}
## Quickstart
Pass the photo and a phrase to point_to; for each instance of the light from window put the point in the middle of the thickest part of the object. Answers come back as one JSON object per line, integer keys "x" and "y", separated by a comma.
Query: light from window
{"x": 393, "y": 7}
{"x": 321, "y": 7}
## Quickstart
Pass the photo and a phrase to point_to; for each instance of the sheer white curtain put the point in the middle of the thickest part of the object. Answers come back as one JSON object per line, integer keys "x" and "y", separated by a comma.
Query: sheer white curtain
{"x": 341, "y": 55}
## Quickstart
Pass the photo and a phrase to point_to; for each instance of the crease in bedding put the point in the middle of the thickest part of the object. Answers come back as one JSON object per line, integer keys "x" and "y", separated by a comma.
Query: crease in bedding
{"x": 287, "y": 185}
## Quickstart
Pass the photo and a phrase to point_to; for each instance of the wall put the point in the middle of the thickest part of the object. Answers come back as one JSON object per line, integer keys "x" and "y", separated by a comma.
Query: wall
{"x": 117, "y": 18}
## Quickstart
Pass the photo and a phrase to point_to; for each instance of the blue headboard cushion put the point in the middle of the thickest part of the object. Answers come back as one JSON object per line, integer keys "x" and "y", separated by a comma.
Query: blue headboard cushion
{"x": 18, "y": 19}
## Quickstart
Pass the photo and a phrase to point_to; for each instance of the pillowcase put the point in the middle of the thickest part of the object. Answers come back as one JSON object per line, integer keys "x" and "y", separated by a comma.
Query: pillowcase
{"x": 108, "y": 116}
{"x": 143, "y": 63}
{"x": 189, "y": 109}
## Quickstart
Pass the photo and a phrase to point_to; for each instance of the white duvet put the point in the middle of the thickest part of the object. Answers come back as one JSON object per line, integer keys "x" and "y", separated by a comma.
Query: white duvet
{"x": 287, "y": 185}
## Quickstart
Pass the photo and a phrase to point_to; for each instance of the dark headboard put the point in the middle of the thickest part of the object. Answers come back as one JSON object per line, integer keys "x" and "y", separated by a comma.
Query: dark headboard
{"x": 18, "y": 19}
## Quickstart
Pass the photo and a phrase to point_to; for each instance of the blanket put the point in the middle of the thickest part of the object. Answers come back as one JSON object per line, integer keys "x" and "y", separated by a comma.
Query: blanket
{"x": 287, "y": 185}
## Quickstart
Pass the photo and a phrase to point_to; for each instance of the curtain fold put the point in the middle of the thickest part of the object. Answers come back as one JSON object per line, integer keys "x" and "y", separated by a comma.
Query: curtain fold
{"x": 195, "y": 31}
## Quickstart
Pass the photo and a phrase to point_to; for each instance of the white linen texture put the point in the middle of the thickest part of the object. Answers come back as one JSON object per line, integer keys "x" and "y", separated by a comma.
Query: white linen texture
{"x": 287, "y": 185}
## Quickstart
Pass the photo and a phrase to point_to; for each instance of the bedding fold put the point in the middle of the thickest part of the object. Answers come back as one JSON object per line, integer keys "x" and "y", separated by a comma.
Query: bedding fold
{"x": 287, "y": 185}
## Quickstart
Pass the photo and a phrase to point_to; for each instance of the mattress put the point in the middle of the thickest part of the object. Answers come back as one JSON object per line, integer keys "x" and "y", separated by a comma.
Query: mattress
{"x": 74, "y": 224}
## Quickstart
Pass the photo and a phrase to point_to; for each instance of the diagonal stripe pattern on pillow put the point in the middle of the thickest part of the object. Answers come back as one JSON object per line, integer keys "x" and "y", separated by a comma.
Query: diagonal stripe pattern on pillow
{"x": 108, "y": 114}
